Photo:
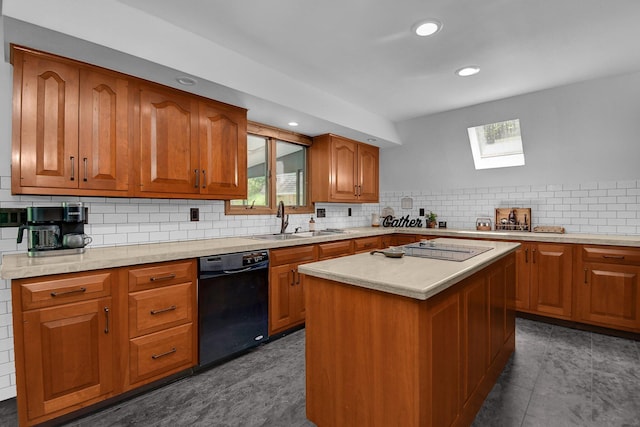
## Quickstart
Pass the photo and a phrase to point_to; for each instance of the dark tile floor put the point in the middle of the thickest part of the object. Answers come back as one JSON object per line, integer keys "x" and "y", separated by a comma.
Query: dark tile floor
{"x": 557, "y": 377}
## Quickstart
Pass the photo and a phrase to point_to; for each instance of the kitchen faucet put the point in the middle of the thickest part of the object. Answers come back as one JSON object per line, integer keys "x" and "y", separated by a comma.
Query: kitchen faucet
{"x": 281, "y": 215}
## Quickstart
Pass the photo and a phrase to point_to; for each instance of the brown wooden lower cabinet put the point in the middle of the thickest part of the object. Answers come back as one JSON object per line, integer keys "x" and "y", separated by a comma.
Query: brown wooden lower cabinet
{"x": 365, "y": 244}
{"x": 65, "y": 338}
{"x": 544, "y": 279}
{"x": 375, "y": 358}
{"x": 608, "y": 287}
{"x": 589, "y": 284}
{"x": 162, "y": 334}
{"x": 81, "y": 338}
{"x": 286, "y": 287}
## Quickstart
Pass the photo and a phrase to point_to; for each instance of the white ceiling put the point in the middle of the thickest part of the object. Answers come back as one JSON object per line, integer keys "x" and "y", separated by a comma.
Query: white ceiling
{"x": 363, "y": 50}
{"x": 345, "y": 66}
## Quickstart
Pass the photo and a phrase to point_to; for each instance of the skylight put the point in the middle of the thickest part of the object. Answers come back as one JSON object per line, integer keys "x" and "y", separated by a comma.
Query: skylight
{"x": 496, "y": 145}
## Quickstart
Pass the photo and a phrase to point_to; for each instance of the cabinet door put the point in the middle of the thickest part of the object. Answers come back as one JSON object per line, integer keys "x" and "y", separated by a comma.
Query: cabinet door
{"x": 168, "y": 142}
{"x": 344, "y": 172}
{"x": 104, "y": 127}
{"x": 48, "y": 137}
{"x": 551, "y": 279}
{"x": 281, "y": 283}
{"x": 609, "y": 295}
{"x": 223, "y": 151}
{"x": 523, "y": 276}
{"x": 68, "y": 353}
{"x": 368, "y": 176}
{"x": 286, "y": 298}
{"x": 475, "y": 352}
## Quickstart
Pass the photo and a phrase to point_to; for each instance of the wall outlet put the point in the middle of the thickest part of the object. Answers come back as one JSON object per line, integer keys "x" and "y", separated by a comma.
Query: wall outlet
{"x": 421, "y": 212}
{"x": 349, "y": 212}
{"x": 194, "y": 214}
{"x": 321, "y": 213}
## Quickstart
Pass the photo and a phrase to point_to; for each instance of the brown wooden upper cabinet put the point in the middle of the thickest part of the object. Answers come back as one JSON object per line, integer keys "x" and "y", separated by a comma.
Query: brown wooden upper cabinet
{"x": 83, "y": 130}
{"x": 70, "y": 127}
{"x": 343, "y": 170}
{"x": 189, "y": 146}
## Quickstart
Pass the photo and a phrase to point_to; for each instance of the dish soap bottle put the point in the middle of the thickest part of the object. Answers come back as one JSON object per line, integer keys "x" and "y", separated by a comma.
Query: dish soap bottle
{"x": 312, "y": 224}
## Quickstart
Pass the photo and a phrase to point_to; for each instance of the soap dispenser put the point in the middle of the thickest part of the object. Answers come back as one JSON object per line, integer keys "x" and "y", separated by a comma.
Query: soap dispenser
{"x": 312, "y": 224}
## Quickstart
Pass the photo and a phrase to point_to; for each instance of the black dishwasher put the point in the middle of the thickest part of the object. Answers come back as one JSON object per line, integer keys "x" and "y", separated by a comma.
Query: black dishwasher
{"x": 232, "y": 304}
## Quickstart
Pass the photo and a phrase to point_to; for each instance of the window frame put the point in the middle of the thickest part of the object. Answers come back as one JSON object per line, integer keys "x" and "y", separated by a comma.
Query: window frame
{"x": 498, "y": 160}
{"x": 272, "y": 135}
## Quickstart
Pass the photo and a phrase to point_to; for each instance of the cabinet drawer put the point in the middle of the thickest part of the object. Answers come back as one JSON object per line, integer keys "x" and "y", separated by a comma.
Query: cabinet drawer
{"x": 617, "y": 255}
{"x": 334, "y": 249}
{"x": 364, "y": 244}
{"x": 295, "y": 254}
{"x": 161, "y": 353}
{"x": 157, "y": 275}
{"x": 64, "y": 288}
{"x": 157, "y": 309}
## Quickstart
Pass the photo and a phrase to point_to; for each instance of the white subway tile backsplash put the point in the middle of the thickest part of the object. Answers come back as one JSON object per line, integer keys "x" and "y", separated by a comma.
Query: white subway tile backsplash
{"x": 600, "y": 207}
{"x": 580, "y": 208}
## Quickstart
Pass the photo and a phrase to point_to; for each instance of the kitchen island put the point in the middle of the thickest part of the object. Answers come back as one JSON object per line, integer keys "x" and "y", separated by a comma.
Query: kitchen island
{"x": 408, "y": 341}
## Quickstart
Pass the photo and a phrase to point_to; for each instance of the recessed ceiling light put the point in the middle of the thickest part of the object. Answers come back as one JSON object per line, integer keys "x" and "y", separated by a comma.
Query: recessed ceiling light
{"x": 186, "y": 81}
{"x": 427, "y": 27}
{"x": 467, "y": 71}
{"x": 293, "y": 123}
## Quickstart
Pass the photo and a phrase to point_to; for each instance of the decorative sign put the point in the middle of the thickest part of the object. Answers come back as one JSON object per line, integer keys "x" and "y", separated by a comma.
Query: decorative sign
{"x": 390, "y": 221}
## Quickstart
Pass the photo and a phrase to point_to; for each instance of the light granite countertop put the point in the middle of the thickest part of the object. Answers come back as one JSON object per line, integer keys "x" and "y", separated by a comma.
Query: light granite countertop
{"x": 413, "y": 277}
{"x": 16, "y": 266}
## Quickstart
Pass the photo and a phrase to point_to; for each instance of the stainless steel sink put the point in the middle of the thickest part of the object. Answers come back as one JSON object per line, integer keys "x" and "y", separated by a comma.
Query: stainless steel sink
{"x": 317, "y": 233}
{"x": 278, "y": 236}
{"x": 288, "y": 236}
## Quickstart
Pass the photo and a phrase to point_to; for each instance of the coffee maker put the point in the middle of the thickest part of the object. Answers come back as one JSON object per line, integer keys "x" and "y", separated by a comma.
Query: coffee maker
{"x": 55, "y": 230}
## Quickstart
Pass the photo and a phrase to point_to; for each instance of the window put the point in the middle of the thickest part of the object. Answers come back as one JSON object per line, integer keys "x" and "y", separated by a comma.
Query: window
{"x": 496, "y": 145}
{"x": 276, "y": 171}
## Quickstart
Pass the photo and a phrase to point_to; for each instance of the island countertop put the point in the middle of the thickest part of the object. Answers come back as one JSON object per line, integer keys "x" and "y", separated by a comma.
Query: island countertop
{"x": 413, "y": 277}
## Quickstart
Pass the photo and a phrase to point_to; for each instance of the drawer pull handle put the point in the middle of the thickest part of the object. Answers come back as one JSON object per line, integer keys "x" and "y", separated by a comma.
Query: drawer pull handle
{"x": 585, "y": 275}
{"x": 86, "y": 174}
{"x": 197, "y": 174}
{"x": 74, "y": 291}
{"x": 613, "y": 256}
{"x": 158, "y": 356}
{"x": 73, "y": 168}
{"x": 163, "y": 310}
{"x": 526, "y": 256}
{"x": 167, "y": 277}
{"x": 106, "y": 317}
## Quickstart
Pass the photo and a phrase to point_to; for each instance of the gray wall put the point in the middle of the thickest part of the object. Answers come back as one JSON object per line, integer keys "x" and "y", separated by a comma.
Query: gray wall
{"x": 584, "y": 132}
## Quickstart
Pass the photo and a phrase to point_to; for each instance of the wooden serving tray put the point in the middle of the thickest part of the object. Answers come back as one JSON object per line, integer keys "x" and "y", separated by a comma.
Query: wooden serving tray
{"x": 523, "y": 219}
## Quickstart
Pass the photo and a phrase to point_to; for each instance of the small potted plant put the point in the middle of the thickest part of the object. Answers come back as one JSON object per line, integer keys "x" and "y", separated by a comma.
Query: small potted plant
{"x": 431, "y": 220}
